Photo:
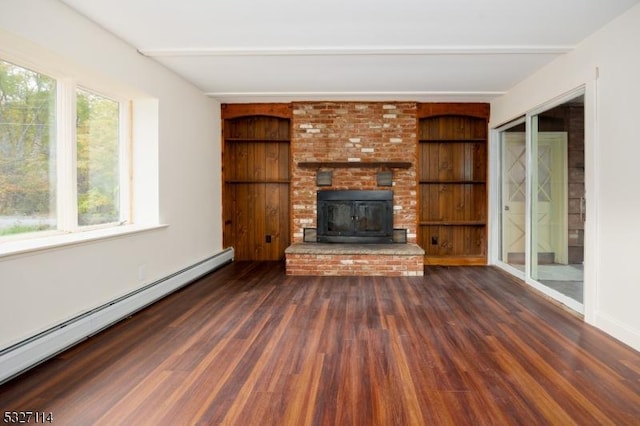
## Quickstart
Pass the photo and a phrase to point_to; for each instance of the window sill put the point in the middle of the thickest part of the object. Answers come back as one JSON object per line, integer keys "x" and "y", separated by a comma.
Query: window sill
{"x": 36, "y": 244}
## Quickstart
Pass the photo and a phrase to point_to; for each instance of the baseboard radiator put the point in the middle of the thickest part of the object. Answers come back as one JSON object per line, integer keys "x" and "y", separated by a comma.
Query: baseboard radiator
{"x": 24, "y": 355}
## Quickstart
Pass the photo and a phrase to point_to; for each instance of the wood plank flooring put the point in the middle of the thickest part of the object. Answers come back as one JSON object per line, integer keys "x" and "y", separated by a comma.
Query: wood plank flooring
{"x": 248, "y": 345}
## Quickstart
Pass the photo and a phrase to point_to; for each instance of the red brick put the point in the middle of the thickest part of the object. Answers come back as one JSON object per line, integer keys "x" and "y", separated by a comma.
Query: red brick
{"x": 338, "y": 122}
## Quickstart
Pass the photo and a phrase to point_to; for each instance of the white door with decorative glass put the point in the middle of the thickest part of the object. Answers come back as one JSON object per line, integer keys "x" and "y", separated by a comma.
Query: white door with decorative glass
{"x": 514, "y": 192}
{"x": 550, "y": 214}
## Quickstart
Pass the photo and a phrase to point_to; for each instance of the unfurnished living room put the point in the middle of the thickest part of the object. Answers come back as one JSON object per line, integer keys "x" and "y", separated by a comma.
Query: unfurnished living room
{"x": 319, "y": 212}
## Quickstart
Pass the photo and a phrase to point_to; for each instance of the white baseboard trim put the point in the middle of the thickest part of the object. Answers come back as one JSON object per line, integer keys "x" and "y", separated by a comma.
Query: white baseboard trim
{"x": 619, "y": 330}
{"x": 24, "y": 355}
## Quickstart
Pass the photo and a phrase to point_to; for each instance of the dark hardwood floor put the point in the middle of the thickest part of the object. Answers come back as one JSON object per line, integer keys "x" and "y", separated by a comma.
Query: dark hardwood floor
{"x": 247, "y": 345}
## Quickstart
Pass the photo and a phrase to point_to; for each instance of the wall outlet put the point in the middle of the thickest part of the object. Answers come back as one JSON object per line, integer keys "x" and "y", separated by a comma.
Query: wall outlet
{"x": 434, "y": 241}
{"x": 267, "y": 238}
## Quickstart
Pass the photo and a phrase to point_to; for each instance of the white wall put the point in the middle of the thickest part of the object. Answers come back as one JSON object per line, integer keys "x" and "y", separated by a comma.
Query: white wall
{"x": 612, "y": 301}
{"x": 39, "y": 290}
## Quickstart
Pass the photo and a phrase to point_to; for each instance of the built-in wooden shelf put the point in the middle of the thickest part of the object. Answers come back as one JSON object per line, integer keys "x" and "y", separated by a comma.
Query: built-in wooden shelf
{"x": 256, "y": 155}
{"x": 452, "y": 176}
{"x": 354, "y": 164}
{"x": 452, "y": 223}
{"x": 470, "y": 140}
{"x": 257, "y": 140}
{"x": 455, "y": 260}
{"x": 237, "y": 181}
{"x": 444, "y": 182}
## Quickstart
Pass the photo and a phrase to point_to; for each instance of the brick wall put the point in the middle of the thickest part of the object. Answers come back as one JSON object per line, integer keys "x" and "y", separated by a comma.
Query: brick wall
{"x": 353, "y": 131}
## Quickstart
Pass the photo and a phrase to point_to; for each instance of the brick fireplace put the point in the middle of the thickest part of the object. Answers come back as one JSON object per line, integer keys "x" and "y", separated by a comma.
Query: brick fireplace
{"x": 353, "y": 143}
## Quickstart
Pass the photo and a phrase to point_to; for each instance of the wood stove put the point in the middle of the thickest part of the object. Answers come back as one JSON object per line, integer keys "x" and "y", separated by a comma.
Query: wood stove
{"x": 355, "y": 216}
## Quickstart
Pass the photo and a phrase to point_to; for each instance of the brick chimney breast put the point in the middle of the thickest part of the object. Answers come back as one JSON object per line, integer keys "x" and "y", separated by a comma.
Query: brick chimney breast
{"x": 354, "y": 132}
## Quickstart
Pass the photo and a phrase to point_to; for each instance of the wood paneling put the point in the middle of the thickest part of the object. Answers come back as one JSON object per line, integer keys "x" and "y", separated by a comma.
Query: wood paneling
{"x": 245, "y": 110}
{"x": 256, "y": 157}
{"x": 470, "y": 109}
{"x": 453, "y": 162}
{"x": 453, "y": 183}
{"x": 453, "y": 203}
{"x": 249, "y": 346}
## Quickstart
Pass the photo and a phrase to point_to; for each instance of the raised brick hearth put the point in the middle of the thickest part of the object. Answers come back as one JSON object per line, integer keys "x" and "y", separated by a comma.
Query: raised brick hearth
{"x": 355, "y": 259}
{"x": 347, "y": 137}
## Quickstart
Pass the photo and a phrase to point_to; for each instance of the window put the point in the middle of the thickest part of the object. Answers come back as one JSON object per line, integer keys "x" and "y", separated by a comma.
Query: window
{"x": 62, "y": 160}
{"x": 27, "y": 150}
{"x": 97, "y": 135}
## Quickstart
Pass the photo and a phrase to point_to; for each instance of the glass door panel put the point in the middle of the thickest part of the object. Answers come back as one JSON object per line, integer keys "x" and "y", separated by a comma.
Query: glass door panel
{"x": 556, "y": 135}
{"x": 513, "y": 196}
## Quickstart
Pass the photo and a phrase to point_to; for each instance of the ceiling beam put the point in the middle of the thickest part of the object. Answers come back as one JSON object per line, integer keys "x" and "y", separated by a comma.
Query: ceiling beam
{"x": 418, "y": 96}
{"x": 359, "y": 51}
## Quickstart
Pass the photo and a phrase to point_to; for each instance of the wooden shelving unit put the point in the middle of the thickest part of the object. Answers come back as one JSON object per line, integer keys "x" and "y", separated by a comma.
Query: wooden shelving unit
{"x": 249, "y": 140}
{"x": 452, "y": 183}
{"x": 244, "y": 181}
{"x": 256, "y": 157}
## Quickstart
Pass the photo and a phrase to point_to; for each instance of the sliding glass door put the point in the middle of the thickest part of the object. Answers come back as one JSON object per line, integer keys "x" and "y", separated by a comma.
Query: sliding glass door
{"x": 541, "y": 199}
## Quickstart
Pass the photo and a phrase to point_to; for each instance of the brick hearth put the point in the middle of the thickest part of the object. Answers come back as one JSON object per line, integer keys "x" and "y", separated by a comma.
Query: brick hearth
{"x": 354, "y": 133}
{"x": 355, "y": 259}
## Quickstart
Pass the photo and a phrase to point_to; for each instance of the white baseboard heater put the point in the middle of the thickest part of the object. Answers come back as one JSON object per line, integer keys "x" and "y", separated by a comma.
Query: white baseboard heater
{"x": 27, "y": 354}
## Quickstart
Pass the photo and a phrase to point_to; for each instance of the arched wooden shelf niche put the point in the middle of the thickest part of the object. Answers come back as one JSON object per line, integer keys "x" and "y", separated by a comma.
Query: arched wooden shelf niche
{"x": 256, "y": 175}
{"x": 452, "y": 180}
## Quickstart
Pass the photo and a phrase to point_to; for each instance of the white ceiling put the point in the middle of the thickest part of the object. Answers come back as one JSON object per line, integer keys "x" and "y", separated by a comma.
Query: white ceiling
{"x": 280, "y": 50}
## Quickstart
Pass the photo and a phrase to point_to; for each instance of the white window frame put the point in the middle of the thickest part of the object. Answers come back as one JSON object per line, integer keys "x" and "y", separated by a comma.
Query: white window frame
{"x": 66, "y": 158}
{"x": 67, "y": 231}
{"x": 124, "y": 164}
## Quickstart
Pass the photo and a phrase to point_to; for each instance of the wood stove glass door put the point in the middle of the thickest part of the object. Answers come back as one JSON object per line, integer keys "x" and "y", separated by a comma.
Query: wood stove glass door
{"x": 369, "y": 218}
{"x": 340, "y": 218}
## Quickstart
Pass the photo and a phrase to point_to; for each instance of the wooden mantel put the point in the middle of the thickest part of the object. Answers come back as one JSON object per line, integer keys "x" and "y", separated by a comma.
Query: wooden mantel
{"x": 354, "y": 164}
